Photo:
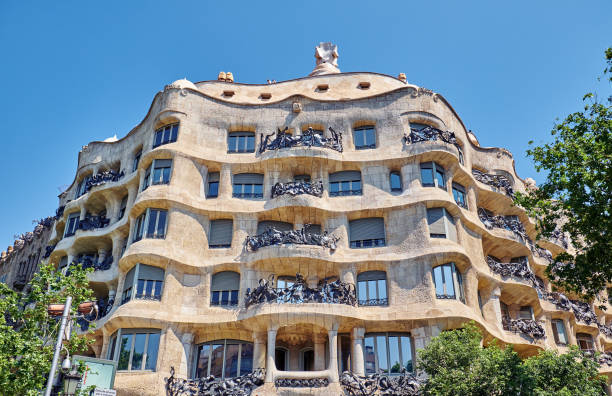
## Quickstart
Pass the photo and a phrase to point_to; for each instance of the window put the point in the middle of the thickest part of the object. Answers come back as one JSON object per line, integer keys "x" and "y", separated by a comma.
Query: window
{"x": 82, "y": 187}
{"x": 558, "y": 329}
{"x": 372, "y": 288}
{"x": 505, "y": 313}
{"x": 367, "y": 233}
{"x": 480, "y": 305}
{"x": 224, "y": 289}
{"x": 223, "y": 359}
{"x": 241, "y": 142}
{"x": 220, "y": 233}
{"x": 345, "y": 183}
{"x": 134, "y": 349}
{"x": 459, "y": 195}
{"x": 301, "y": 178}
{"x": 387, "y": 352}
{"x": 448, "y": 282}
{"x": 136, "y": 160}
{"x": 151, "y": 224}
{"x": 72, "y": 224}
{"x": 395, "y": 179}
{"x": 441, "y": 224}
{"x": 263, "y": 226}
{"x": 248, "y": 185}
{"x": 165, "y": 135}
{"x": 526, "y": 312}
{"x": 365, "y": 137}
{"x": 212, "y": 191}
{"x": 160, "y": 174}
{"x": 147, "y": 281}
{"x": 585, "y": 342}
{"x": 432, "y": 175}
{"x": 461, "y": 158}
{"x": 123, "y": 207}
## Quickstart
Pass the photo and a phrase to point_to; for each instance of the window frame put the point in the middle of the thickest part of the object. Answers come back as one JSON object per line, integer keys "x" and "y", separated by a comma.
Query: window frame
{"x": 399, "y": 176}
{"x": 72, "y": 216}
{"x": 435, "y": 169}
{"x": 460, "y": 190}
{"x": 365, "y": 129}
{"x": 226, "y": 342}
{"x": 555, "y": 323}
{"x": 133, "y": 288}
{"x": 209, "y": 182}
{"x": 238, "y": 135}
{"x": 248, "y": 195}
{"x": 340, "y": 192}
{"x": 219, "y": 293}
{"x": 210, "y": 235}
{"x": 457, "y": 282}
{"x": 447, "y": 225}
{"x": 114, "y": 348}
{"x": 136, "y": 160}
{"x": 142, "y": 223}
{"x": 172, "y": 134}
{"x": 82, "y": 186}
{"x": 376, "y": 276}
{"x": 371, "y": 242}
{"x": 583, "y": 337}
{"x": 150, "y": 173}
{"x": 387, "y": 335}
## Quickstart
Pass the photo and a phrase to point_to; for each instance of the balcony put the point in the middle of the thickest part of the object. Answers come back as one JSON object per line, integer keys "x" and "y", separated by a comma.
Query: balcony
{"x": 498, "y": 182}
{"x": 298, "y": 188}
{"x": 325, "y": 292}
{"x": 103, "y": 178}
{"x": 272, "y": 237}
{"x": 429, "y": 134}
{"x": 210, "y": 385}
{"x": 102, "y": 308}
{"x": 308, "y": 138}
{"x": 528, "y": 327}
{"x": 92, "y": 261}
{"x": 93, "y": 222}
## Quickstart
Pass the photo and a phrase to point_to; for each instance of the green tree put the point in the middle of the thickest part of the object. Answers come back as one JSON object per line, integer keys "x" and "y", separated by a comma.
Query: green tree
{"x": 576, "y": 196}
{"x": 458, "y": 365}
{"x": 28, "y": 333}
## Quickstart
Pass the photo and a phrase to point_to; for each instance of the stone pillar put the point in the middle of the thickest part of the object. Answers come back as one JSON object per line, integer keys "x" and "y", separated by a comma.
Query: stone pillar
{"x": 101, "y": 255}
{"x": 225, "y": 181}
{"x": 494, "y": 301}
{"x": 357, "y": 361}
{"x": 259, "y": 350}
{"x": 270, "y": 364}
{"x": 333, "y": 354}
{"x": 185, "y": 366}
{"x": 83, "y": 213}
{"x": 319, "y": 352}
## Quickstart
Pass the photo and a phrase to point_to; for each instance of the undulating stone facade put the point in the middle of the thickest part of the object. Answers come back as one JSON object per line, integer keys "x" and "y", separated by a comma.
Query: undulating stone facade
{"x": 327, "y": 224}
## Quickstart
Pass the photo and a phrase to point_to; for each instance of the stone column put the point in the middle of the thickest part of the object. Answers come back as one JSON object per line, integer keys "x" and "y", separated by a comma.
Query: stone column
{"x": 101, "y": 255}
{"x": 185, "y": 366}
{"x": 357, "y": 361}
{"x": 333, "y": 354}
{"x": 270, "y": 364}
{"x": 319, "y": 352}
{"x": 494, "y": 301}
{"x": 225, "y": 181}
{"x": 83, "y": 213}
{"x": 259, "y": 350}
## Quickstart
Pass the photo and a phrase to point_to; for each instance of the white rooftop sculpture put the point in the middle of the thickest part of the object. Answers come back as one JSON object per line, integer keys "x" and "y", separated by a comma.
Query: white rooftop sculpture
{"x": 326, "y": 55}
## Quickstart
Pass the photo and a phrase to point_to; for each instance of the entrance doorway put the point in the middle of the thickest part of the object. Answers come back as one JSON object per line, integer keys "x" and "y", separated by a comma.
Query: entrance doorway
{"x": 280, "y": 358}
{"x": 308, "y": 360}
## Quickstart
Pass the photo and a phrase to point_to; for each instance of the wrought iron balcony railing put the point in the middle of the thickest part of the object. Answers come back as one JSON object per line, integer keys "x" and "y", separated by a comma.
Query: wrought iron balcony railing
{"x": 102, "y": 178}
{"x": 308, "y": 138}
{"x": 93, "y": 222}
{"x": 298, "y": 188}
{"x": 335, "y": 292}
{"x": 499, "y": 182}
{"x": 429, "y": 134}
{"x": 272, "y": 236}
{"x": 103, "y": 308}
{"x": 213, "y": 386}
{"x": 374, "y": 302}
{"x": 528, "y": 327}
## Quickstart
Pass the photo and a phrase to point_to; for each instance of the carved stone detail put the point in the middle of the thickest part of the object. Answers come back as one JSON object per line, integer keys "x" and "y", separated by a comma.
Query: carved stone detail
{"x": 212, "y": 386}
{"x": 406, "y": 384}
{"x": 308, "y": 138}
{"x": 272, "y": 236}
{"x": 335, "y": 292}
{"x": 297, "y": 188}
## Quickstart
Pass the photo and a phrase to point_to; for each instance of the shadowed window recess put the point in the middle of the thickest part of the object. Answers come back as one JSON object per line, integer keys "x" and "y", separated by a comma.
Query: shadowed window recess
{"x": 165, "y": 135}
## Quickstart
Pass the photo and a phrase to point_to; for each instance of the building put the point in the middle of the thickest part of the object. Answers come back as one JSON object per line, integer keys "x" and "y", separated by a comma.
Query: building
{"x": 325, "y": 224}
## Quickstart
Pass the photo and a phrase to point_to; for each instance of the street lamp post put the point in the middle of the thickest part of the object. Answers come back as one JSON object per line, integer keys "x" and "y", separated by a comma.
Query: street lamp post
{"x": 58, "y": 345}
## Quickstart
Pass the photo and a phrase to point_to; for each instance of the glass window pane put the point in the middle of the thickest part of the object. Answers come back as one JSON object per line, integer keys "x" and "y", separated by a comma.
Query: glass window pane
{"x": 406, "y": 353}
{"x": 356, "y": 185}
{"x": 139, "y": 345}
{"x": 394, "y": 354}
{"x": 124, "y": 352}
{"x": 174, "y": 132}
{"x": 448, "y": 280}
{"x": 370, "y": 137}
{"x": 346, "y": 186}
{"x": 203, "y": 357}
{"x": 140, "y": 288}
{"x": 334, "y": 187}
{"x": 152, "y": 349}
{"x": 372, "y": 290}
{"x": 152, "y": 221}
{"x": 149, "y": 289}
{"x": 382, "y": 288}
{"x": 231, "y": 143}
{"x": 381, "y": 353}
{"x": 250, "y": 143}
{"x": 213, "y": 189}
{"x": 438, "y": 281}
{"x": 157, "y": 175}
{"x": 237, "y": 190}
{"x": 231, "y": 360}
{"x": 362, "y": 290}
{"x": 158, "y": 137}
{"x": 396, "y": 183}
{"x": 161, "y": 224}
{"x": 246, "y": 359}
{"x": 166, "y": 175}
{"x": 158, "y": 288}
{"x": 234, "y": 297}
{"x": 224, "y": 297}
{"x": 111, "y": 350}
{"x": 440, "y": 178}
{"x": 369, "y": 359}
{"x": 216, "y": 360}
{"x": 359, "y": 139}
{"x": 427, "y": 177}
{"x": 258, "y": 190}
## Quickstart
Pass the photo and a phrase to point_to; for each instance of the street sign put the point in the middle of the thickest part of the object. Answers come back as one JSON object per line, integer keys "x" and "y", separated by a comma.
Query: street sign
{"x": 99, "y": 372}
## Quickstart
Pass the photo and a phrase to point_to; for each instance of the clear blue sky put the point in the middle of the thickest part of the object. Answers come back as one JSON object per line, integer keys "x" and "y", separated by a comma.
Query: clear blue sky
{"x": 78, "y": 71}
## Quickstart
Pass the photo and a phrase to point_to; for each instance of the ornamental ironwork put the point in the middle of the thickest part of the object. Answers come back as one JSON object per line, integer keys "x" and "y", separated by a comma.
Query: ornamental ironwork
{"x": 335, "y": 292}
{"x": 93, "y": 222}
{"x": 500, "y": 182}
{"x": 101, "y": 309}
{"x": 48, "y": 250}
{"x": 298, "y": 188}
{"x": 213, "y": 386}
{"x": 273, "y": 236}
{"x": 406, "y": 384}
{"x": 301, "y": 382}
{"x": 89, "y": 261}
{"x": 519, "y": 269}
{"x": 308, "y": 138}
{"x": 605, "y": 358}
{"x": 528, "y": 327}
{"x": 102, "y": 178}
{"x": 59, "y": 212}
{"x": 429, "y": 134}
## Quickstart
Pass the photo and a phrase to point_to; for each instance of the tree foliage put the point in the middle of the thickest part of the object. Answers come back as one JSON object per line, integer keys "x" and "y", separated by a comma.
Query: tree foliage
{"x": 457, "y": 364}
{"x": 28, "y": 333}
{"x": 576, "y": 196}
